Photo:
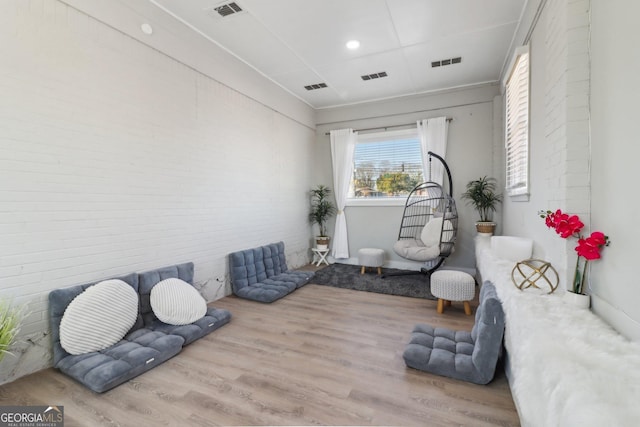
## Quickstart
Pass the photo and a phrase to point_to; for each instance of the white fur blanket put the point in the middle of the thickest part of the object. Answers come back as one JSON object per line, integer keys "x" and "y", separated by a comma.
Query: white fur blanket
{"x": 567, "y": 366}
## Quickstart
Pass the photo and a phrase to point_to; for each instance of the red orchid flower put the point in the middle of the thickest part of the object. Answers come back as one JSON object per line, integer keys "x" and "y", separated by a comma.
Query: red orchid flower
{"x": 563, "y": 224}
{"x": 599, "y": 238}
{"x": 589, "y": 247}
{"x": 550, "y": 219}
{"x": 569, "y": 226}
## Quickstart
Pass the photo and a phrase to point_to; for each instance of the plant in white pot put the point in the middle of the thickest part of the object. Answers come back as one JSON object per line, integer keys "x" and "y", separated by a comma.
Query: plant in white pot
{"x": 321, "y": 210}
{"x": 481, "y": 194}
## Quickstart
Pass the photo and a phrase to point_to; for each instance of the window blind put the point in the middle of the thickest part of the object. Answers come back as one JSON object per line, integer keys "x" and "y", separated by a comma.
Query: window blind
{"x": 386, "y": 166}
{"x": 517, "y": 127}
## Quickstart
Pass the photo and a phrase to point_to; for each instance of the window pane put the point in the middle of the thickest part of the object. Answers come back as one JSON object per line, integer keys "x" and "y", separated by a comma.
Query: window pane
{"x": 386, "y": 168}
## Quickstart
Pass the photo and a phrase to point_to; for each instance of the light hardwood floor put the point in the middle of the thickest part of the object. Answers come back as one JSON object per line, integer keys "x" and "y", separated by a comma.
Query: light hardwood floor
{"x": 321, "y": 355}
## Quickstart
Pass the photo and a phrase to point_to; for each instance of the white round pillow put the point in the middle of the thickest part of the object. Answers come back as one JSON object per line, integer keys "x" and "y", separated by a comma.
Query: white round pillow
{"x": 99, "y": 317}
{"x": 430, "y": 235}
{"x": 176, "y": 302}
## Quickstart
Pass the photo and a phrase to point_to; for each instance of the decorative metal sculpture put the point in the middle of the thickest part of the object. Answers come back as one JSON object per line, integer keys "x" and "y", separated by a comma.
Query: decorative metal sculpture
{"x": 535, "y": 273}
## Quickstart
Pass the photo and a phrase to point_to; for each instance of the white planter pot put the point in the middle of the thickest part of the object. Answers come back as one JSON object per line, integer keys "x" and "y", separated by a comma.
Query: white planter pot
{"x": 322, "y": 243}
{"x": 577, "y": 300}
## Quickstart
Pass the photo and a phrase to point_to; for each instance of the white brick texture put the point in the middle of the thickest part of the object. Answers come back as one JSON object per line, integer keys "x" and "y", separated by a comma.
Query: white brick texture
{"x": 115, "y": 158}
{"x": 567, "y": 110}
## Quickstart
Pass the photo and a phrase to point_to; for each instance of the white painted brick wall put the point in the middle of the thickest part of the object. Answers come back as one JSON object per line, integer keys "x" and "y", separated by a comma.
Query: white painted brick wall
{"x": 567, "y": 113}
{"x": 115, "y": 158}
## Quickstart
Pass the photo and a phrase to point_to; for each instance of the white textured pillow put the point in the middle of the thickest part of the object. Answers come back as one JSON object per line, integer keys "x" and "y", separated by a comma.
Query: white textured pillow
{"x": 511, "y": 248}
{"x": 176, "y": 302}
{"x": 431, "y": 232}
{"x": 99, "y": 317}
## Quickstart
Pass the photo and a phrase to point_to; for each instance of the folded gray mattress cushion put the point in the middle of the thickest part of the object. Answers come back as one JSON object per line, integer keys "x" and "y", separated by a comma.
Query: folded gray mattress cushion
{"x": 268, "y": 290}
{"x": 300, "y": 278}
{"x": 261, "y": 274}
{"x": 214, "y": 318}
{"x": 149, "y": 279}
{"x": 147, "y": 344}
{"x": 138, "y": 352}
{"x": 469, "y": 356}
{"x": 59, "y": 299}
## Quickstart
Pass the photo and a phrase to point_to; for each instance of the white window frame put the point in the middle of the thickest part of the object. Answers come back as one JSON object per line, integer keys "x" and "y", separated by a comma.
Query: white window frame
{"x": 517, "y": 94}
{"x": 383, "y": 136}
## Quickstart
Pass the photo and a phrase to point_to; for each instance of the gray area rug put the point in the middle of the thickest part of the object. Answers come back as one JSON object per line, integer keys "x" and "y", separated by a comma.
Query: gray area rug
{"x": 348, "y": 276}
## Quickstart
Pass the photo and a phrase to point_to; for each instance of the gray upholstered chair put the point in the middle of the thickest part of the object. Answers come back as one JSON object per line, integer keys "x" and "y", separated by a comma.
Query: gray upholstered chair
{"x": 469, "y": 356}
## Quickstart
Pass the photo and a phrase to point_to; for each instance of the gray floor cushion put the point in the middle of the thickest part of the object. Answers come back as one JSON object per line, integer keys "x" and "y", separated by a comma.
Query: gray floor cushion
{"x": 261, "y": 274}
{"x": 100, "y": 371}
{"x": 59, "y": 299}
{"x": 147, "y": 344}
{"x": 469, "y": 356}
{"x": 214, "y": 318}
{"x": 135, "y": 354}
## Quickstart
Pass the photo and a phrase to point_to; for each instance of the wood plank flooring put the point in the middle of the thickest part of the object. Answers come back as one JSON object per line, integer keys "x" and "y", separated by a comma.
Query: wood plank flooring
{"x": 320, "y": 356}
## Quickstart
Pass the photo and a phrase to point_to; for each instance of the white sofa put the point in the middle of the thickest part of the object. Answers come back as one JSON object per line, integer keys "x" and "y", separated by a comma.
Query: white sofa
{"x": 566, "y": 367}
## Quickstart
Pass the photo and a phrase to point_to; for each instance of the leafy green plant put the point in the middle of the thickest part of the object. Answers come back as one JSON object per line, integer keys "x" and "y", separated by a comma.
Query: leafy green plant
{"x": 396, "y": 183}
{"x": 321, "y": 208}
{"x": 10, "y": 320}
{"x": 481, "y": 194}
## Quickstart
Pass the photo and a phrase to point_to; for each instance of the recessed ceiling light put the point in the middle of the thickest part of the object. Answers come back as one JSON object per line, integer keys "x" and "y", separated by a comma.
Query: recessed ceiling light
{"x": 147, "y": 29}
{"x": 353, "y": 44}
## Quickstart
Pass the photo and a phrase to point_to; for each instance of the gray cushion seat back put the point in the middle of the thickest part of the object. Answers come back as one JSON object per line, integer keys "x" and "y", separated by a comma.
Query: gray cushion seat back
{"x": 140, "y": 350}
{"x": 214, "y": 318}
{"x": 59, "y": 299}
{"x": 261, "y": 274}
{"x": 149, "y": 279}
{"x": 469, "y": 356}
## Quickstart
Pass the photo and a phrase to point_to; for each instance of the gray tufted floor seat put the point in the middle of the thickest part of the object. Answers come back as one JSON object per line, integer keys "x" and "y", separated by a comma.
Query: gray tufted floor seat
{"x": 261, "y": 274}
{"x": 148, "y": 343}
{"x": 214, "y": 318}
{"x": 469, "y": 356}
{"x": 139, "y": 351}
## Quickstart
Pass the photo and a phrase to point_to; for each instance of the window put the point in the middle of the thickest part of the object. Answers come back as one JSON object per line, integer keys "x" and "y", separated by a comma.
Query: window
{"x": 517, "y": 126}
{"x": 386, "y": 166}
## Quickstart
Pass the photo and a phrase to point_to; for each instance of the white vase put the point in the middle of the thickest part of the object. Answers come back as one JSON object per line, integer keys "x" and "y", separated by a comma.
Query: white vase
{"x": 577, "y": 300}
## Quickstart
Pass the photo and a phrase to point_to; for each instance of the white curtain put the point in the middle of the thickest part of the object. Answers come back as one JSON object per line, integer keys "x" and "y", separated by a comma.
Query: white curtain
{"x": 433, "y": 137}
{"x": 343, "y": 144}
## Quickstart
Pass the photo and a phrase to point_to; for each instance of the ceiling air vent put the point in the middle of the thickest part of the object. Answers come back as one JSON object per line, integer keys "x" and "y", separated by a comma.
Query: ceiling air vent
{"x": 316, "y": 86}
{"x": 374, "y": 76}
{"x": 445, "y": 62}
{"x": 226, "y": 9}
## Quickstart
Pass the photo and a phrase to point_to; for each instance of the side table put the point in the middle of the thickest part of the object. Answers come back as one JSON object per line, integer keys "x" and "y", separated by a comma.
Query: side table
{"x": 320, "y": 255}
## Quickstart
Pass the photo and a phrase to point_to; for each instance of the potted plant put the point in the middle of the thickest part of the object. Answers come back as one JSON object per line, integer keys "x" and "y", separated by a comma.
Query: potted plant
{"x": 321, "y": 210}
{"x": 481, "y": 194}
{"x": 10, "y": 319}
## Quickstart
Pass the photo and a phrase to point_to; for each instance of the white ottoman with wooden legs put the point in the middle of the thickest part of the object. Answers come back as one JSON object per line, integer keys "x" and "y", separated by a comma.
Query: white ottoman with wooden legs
{"x": 371, "y": 257}
{"x": 450, "y": 285}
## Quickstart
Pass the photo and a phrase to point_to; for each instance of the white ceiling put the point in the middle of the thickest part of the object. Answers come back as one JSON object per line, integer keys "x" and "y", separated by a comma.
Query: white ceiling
{"x": 297, "y": 43}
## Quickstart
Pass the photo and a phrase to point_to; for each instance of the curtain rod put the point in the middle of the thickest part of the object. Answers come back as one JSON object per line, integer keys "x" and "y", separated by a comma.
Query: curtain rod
{"x": 449, "y": 119}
